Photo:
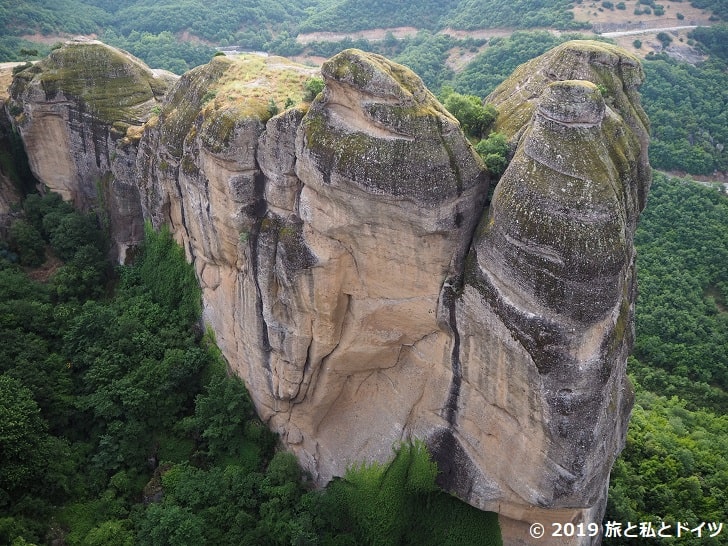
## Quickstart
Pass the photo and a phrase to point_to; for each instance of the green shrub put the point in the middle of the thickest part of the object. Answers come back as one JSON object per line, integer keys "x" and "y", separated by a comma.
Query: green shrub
{"x": 494, "y": 152}
{"x": 313, "y": 87}
{"x": 27, "y": 241}
{"x": 163, "y": 269}
{"x": 475, "y": 118}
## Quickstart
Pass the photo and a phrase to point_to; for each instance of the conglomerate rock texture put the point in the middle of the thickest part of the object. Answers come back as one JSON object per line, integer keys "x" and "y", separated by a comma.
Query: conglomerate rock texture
{"x": 353, "y": 272}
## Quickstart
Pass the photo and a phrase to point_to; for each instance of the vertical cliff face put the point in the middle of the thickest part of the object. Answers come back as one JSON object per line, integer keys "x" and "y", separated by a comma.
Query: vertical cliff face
{"x": 391, "y": 191}
{"x": 546, "y": 311}
{"x": 80, "y": 112}
{"x": 352, "y": 273}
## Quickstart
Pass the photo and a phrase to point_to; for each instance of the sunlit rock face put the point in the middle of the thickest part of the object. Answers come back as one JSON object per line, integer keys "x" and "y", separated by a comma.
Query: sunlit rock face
{"x": 354, "y": 274}
{"x": 80, "y": 112}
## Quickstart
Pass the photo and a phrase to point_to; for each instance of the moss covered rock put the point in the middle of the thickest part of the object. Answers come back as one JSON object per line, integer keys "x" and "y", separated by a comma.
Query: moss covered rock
{"x": 80, "y": 112}
{"x": 110, "y": 84}
{"x": 377, "y": 126}
{"x": 551, "y": 272}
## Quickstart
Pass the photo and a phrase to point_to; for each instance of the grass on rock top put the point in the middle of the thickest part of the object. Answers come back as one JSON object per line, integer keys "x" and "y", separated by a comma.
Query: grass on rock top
{"x": 251, "y": 82}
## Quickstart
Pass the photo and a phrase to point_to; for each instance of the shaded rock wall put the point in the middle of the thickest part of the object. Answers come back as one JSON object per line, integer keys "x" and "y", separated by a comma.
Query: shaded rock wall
{"x": 353, "y": 275}
{"x": 550, "y": 276}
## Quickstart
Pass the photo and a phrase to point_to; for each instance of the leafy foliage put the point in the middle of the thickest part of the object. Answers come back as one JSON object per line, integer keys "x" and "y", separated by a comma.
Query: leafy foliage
{"x": 162, "y": 50}
{"x": 105, "y": 401}
{"x": 351, "y": 15}
{"x": 426, "y": 54}
{"x": 718, "y": 7}
{"x": 494, "y": 151}
{"x": 674, "y": 466}
{"x": 714, "y": 39}
{"x": 497, "y": 62}
{"x": 163, "y": 271}
{"x": 399, "y": 504}
{"x": 688, "y": 109}
{"x": 682, "y": 326}
{"x": 673, "y": 469}
{"x": 475, "y": 118}
{"x": 472, "y": 14}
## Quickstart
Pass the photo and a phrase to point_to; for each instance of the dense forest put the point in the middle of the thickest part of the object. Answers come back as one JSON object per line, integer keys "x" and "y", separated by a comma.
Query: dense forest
{"x": 675, "y": 466}
{"x": 224, "y": 20}
{"x": 120, "y": 425}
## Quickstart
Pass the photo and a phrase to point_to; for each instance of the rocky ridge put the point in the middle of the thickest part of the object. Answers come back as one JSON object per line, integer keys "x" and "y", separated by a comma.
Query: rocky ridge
{"x": 351, "y": 270}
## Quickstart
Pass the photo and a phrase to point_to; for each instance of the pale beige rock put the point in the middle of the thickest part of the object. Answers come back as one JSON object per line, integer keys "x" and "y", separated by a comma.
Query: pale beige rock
{"x": 77, "y": 109}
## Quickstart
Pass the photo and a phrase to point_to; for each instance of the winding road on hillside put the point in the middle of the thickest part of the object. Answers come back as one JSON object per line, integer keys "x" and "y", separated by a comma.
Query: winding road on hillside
{"x": 402, "y": 32}
{"x": 645, "y": 31}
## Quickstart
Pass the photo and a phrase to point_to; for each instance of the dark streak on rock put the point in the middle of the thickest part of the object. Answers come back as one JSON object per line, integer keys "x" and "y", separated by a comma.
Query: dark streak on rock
{"x": 450, "y": 410}
{"x": 259, "y": 211}
{"x": 456, "y": 471}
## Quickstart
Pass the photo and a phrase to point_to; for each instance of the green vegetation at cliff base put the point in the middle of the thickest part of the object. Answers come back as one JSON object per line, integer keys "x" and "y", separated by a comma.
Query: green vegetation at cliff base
{"x": 120, "y": 424}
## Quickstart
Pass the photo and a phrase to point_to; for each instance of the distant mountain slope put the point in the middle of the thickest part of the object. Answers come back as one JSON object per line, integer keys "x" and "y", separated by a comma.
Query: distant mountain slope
{"x": 206, "y": 19}
{"x": 211, "y": 20}
{"x": 18, "y": 17}
{"x": 352, "y": 15}
{"x": 215, "y": 20}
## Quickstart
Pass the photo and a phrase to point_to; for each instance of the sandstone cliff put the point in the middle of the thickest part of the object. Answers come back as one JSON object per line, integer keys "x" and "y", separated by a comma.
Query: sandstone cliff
{"x": 78, "y": 111}
{"x": 549, "y": 287}
{"x": 351, "y": 270}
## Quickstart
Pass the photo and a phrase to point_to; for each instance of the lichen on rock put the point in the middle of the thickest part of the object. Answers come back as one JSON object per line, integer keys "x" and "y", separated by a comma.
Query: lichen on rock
{"x": 552, "y": 267}
{"x": 81, "y": 113}
{"x": 376, "y": 121}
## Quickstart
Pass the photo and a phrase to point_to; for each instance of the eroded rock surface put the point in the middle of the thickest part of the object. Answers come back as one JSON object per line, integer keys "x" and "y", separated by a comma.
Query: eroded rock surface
{"x": 353, "y": 274}
{"x": 80, "y": 112}
{"x": 550, "y": 277}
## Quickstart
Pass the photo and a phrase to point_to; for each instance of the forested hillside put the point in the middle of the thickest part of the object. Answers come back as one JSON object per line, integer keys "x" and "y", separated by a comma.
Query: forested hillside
{"x": 687, "y": 104}
{"x": 254, "y": 24}
{"x": 675, "y": 466}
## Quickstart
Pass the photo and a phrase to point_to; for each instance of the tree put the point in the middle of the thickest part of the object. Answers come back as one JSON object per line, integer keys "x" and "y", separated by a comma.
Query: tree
{"x": 27, "y": 241}
{"x": 170, "y": 525}
{"x": 313, "y": 87}
{"x": 494, "y": 152}
{"x": 664, "y": 38}
{"x": 23, "y": 440}
{"x": 167, "y": 277}
{"x": 475, "y": 119}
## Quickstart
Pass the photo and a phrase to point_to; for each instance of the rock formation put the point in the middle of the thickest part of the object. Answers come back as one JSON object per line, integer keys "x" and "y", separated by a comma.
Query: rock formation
{"x": 81, "y": 110}
{"x": 351, "y": 269}
{"x": 549, "y": 286}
